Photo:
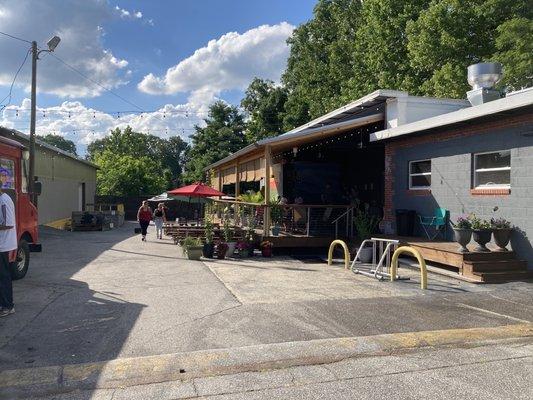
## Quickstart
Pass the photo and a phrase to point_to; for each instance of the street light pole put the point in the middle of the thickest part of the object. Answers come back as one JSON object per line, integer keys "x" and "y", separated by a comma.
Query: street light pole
{"x": 31, "y": 177}
{"x": 52, "y": 44}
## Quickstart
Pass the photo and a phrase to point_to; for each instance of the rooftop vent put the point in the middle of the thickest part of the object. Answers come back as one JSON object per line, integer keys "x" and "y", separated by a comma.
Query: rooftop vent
{"x": 482, "y": 77}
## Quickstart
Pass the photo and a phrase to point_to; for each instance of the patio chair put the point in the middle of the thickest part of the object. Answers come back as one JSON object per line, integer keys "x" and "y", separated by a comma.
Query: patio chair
{"x": 438, "y": 222}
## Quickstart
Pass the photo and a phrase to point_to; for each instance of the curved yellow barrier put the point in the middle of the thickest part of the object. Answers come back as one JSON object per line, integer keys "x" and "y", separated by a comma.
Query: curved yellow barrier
{"x": 421, "y": 261}
{"x": 346, "y": 253}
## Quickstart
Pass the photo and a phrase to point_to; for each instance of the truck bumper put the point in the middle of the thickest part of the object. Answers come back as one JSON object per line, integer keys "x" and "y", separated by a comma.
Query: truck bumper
{"x": 36, "y": 247}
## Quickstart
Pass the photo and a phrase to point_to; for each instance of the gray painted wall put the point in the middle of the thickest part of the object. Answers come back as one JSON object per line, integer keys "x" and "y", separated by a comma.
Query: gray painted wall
{"x": 452, "y": 176}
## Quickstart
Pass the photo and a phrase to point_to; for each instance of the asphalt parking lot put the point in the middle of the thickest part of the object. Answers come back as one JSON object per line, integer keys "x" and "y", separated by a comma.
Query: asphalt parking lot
{"x": 96, "y": 296}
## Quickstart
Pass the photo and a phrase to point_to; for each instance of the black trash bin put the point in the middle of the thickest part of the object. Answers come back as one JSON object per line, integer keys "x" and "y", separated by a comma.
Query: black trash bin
{"x": 405, "y": 222}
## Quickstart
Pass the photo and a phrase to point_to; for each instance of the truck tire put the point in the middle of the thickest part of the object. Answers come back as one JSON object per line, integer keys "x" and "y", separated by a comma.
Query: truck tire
{"x": 20, "y": 266}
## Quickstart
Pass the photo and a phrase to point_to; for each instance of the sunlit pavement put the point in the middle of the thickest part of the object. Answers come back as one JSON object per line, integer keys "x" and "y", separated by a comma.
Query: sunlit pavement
{"x": 98, "y": 296}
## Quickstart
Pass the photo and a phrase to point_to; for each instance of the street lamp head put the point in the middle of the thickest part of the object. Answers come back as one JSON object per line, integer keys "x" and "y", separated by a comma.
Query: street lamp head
{"x": 52, "y": 43}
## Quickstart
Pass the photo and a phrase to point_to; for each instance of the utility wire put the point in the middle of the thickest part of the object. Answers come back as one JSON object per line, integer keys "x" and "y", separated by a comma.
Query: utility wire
{"x": 95, "y": 82}
{"x": 14, "y": 37}
{"x": 13, "y": 83}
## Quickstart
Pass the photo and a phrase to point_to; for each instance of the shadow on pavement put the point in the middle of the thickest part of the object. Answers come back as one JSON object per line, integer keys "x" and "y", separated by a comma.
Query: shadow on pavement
{"x": 59, "y": 319}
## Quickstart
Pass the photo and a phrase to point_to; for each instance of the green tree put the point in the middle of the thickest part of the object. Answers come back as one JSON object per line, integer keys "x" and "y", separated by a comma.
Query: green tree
{"x": 451, "y": 34}
{"x": 127, "y": 175}
{"x": 60, "y": 142}
{"x": 222, "y": 135}
{"x": 514, "y": 44}
{"x": 168, "y": 154}
{"x": 320, "y": 61}
{"x": 264, "y": 103}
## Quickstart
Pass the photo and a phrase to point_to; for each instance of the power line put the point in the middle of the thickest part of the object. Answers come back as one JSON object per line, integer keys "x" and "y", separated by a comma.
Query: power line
{"x": 15, "y": 37}
{"x": 13, "y": 83}
{"x": 96, "y": 83}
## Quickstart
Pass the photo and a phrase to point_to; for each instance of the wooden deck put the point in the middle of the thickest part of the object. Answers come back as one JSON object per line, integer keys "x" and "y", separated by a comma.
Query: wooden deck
{"x": 494, "y": 266}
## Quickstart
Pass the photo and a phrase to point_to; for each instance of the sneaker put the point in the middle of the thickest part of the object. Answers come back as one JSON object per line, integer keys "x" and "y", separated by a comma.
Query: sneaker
{"x": 4, "y": 312}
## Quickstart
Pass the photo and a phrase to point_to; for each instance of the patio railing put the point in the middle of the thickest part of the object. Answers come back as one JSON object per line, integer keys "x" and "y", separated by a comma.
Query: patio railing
{"x": 295, "y": 220}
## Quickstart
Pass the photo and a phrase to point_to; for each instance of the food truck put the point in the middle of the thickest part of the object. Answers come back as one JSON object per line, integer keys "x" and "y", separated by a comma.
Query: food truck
{"x": 14, "y": 180}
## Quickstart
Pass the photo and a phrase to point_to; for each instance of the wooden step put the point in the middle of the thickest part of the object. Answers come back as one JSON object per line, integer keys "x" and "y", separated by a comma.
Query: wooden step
{"x": 489, "y": 256}
{"x": 499, "y": 277}
{"x": 494, "y": 266}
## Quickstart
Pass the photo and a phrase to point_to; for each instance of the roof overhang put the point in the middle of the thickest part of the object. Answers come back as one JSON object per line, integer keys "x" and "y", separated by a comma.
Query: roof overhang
{"x": 512, "y": 102}
{"x": 300, "y": 137}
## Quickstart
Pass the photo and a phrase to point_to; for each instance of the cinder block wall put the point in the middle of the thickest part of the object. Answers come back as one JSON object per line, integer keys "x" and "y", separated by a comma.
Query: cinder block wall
{"x": 451, "y": 180}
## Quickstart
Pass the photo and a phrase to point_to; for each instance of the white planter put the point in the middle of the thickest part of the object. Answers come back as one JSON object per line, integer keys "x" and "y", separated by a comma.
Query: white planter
{"x": 231, "y": 248}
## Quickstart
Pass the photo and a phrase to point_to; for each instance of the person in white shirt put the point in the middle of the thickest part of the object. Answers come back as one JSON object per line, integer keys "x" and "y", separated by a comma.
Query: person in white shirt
{"x": 8, "y": 243}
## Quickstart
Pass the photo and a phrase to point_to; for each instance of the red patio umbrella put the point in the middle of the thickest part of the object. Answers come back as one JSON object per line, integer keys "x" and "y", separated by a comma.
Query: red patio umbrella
{"x": 197, "y": 189}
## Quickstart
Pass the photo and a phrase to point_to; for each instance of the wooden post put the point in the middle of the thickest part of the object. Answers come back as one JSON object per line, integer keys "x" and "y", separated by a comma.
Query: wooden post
{"x": 237, "y": 193}
{"x": 266, "y": 214}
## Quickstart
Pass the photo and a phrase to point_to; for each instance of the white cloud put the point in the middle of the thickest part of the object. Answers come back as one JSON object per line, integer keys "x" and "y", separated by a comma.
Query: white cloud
{"x": 80, "y": 26}
{"x": 83, "y": 125}
{"x": 227, "y": 63}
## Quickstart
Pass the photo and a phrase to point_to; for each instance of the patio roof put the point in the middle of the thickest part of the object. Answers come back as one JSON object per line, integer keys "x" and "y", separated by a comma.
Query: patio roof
{"x": 359, "y": 112}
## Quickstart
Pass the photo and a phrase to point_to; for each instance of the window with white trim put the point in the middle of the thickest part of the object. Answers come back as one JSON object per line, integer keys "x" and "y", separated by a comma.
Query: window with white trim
{"x": 420, "y": 174}
{"x": 492, "y": 170}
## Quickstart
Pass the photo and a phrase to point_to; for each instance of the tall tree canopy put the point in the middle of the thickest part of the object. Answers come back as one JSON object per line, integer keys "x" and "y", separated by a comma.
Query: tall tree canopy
{"x": 351, "y": 48}
{"x": 222, "y": 135}
{"x": 264, "y": 102}
{"x": 60, "y": 142}
{"x": 163, "y": 160}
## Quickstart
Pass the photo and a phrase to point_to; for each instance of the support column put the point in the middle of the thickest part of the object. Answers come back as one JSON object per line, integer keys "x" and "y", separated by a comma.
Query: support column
{"x": 266, "y": 214}
{"x": 237, "y": 193}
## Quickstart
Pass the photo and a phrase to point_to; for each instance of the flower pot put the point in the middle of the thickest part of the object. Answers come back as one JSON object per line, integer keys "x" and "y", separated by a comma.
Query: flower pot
{"x": 194, "y": 252}
{"x": 275, "y": 230}
{"x": 462, "y": 236}
{"x": 502, "y": 237}
{"x": 208, "y": 250}
{"x": 222, "y": 249}
{"x": 365, "y": 255}
{"x": 266, "y": 251}
{"x": 481, "y": 237}
{"x": 231, "y": 249}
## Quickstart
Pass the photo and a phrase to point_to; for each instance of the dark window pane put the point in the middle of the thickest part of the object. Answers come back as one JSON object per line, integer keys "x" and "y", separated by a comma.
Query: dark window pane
{"x": 493, "y": 178}
{"x": 421, "y": 181}
{"x": 419, "y": 167}
{"x": 493, "y": 160}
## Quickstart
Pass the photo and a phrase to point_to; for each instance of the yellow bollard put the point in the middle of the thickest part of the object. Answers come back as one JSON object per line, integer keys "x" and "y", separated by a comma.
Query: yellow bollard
{"x": 421, "y": 261}
{"x": 346, "y": 253}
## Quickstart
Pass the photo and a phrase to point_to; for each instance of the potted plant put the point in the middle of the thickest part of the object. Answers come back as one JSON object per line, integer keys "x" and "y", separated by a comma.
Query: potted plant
{"x": 481, "y": 233}
{"x": 193, "y": 247}
{"x": 266, "y": 248}
{"x": 502, "y": 229}
{"x": 222, "y": 249}
{"x": 209, "y": 246}
{"x": 228, "y": 237}
{"x": 276, "y": 216}
{"x": 365, "y": 224}
{"x": 243, "y": 248}
{"x": 462, "y": 232}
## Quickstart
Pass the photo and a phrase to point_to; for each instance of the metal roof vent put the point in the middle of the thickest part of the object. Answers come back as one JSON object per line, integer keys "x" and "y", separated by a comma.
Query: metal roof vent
{"x": 482, "y": 77}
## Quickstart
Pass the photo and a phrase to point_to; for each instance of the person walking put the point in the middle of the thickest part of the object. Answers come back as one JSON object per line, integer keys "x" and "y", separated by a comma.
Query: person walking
{"x": 160, "y": 217}
{"x": 8, "y": 244}
{"x": 144, "y": 216}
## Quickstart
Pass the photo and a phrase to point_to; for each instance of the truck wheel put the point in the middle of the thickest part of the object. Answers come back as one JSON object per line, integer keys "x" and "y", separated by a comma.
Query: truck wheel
{"x": 20, "y": 266}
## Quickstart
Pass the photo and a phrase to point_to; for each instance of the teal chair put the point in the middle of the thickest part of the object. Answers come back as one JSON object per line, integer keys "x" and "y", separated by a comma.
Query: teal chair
{"x": 436, "y": 224}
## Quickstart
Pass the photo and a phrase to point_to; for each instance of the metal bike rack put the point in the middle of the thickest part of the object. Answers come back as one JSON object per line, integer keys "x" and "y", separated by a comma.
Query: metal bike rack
{"x": 382, "y": 250}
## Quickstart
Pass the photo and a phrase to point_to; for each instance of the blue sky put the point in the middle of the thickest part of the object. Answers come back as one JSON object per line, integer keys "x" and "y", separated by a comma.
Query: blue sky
{"x": 172, "y": 57}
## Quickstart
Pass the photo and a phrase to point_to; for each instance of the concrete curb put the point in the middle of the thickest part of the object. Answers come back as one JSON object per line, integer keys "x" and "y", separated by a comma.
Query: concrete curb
{"x": 125, "y": 372}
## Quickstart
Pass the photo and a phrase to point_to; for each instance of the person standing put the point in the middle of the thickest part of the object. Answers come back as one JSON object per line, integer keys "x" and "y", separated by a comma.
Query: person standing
{"x": 160, "y": 217}
{"x": 8, "y": 243}
{"x": 144, "y": 216}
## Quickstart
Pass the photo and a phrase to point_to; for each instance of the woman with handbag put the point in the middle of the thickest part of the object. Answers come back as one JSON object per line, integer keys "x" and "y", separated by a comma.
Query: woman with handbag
{"x": 144, "y": 216}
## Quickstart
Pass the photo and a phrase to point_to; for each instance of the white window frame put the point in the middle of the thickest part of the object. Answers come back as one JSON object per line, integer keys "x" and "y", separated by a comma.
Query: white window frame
{"x": 419, "y": 174}
{"x": 476, "y": 170}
